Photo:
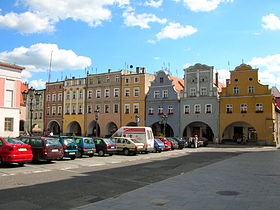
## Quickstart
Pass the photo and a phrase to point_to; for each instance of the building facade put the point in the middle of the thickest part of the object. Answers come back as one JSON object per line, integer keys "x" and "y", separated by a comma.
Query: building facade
{"x": 10, "y": 92}
{"x": 134, "y": 86}
{"x": 74, "y": 107}
{"x": 199, "y": 105}
{"x": 54, "y": 97}
{"x": 247, "y": 109}
{"x": 163, "y": 104}
{"x": 23, "y": 111}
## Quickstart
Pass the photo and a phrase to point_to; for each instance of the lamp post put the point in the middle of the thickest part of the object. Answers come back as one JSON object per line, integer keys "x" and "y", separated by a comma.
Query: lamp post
{"x": 137, "y": 120}
{"x": 164, "y": 118}
{"x": 30, "y": 95}
{"x": 96, "y": 119}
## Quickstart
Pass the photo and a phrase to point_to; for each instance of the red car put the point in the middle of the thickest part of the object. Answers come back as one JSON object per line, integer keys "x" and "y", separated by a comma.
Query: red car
{"x": 14, "y": 151}
{"x": 164, "y": 140}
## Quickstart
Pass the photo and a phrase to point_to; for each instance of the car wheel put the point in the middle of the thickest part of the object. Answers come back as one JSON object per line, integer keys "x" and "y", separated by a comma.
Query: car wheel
{"x": 79, "y": 154}
{"x": 159, "y": 150}
{"x": 49, "y": 161}
{"x": 126, "y": 151}
{"x": 101, "y": 153}
{"x": 21, "y": 164}
{"x": 90, "y": 155}
{"x": 1, "y": 162}
{"x": 110, "y": 154}
{"x": 72, "y": 157}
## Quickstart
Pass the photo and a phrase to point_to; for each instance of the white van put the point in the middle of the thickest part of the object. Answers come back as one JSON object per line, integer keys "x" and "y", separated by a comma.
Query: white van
{"x": 143, "y": 134}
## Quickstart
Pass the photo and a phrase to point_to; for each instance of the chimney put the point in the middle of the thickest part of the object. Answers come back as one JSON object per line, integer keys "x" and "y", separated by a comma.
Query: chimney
{"x": 217, "y": 79}
{"x": 227, "y": 82}
{"x": 138, "y": 70}
{"x": 110, "y": 70}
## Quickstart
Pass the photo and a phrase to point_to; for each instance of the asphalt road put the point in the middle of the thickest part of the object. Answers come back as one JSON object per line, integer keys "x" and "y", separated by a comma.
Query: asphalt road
{"x": 68, "y": 186}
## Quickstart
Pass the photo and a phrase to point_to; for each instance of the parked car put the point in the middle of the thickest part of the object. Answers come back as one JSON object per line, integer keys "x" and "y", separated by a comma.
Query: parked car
{"x": 14, "y": 151}
{"x": 181, "y": 143}
{"x": 128, "y": 146}
{"x": 164, "y": 140}
{"x": 159, "y": 145}
{"x": 203, "y": 142}
{"x": 104, "y": 146}
{"x": 174, "y": 144}
{"x": 69, "y": 145}
{"x": 44, "y": 148}
{"x": 86, "y": 146}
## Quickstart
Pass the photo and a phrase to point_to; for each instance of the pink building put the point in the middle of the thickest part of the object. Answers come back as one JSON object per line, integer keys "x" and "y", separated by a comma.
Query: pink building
{"x": 10, "y": 92}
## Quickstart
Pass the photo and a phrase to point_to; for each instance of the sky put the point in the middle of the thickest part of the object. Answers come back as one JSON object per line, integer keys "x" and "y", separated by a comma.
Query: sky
{"x": 54, "y": 39}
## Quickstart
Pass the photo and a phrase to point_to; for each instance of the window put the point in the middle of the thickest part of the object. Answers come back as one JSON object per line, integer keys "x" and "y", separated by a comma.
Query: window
{"x": 117, "y": 78}
{"x": 197, "y": 108}
{"x": 170, "y": 109}
{"x": 53, "y": 110}
{"x": 53, "y": 97}
{"x": 74, "y": 95}
{"x": 243, "y": 108}
{"x": 127, "y": 92}
{"x": 229, "y": 108}
{"x": 136, "y": 91}
{"x": 126, "y": 80}
{"x": 156, "y": 94}
{"x": 116, "y": 92}
{"x": 160, "y": 110}
{"x": 127, "y": 108}
{"x": 74, "y": 109}
{"x": 90, "y": 94}
{"x": 81, "y": 94}
{"x": 40, "y": 115}
{"x": 136, "y": 108}
{"x": 9, "y": 102}
{"x": 80, "y": 109}
{"x": 48, "y": 97}
{"x": 161, "y": 80}
{"x": 192, "y": 92}
{"x": 136, "y": 79}
{"x": 106, "y": 108}
{"x": 187, "y": 109}
{"x": 107, "y": 93}
{"x": 208, "y": 108}
{"x": 59, "y": 110}
{"x": 60, "y": 97}
{"x": 98, "y": 81}
{"x": 67, "y": 111}
{"x": 48, "y": 111}
{"x": 68, "y": 95}
{"x": 35, "y": 115}
{"x": 151, "y": 110}
{"x": 203, "y": 91}
{"x": 116, "y": 108}
{"x": 107, "y": 79}
{"x": 89, "y": 109}
{"x": 251, "y": 89}
{"x": 259, "y": 108}
{"x": 97, "y": 107}
{"x": 9, "y": 124}
{"x": 98, "y": 93}
{"x": 91, "y": 81}
{"x": 235, "y": 90}
{"x": 165, "y": 93}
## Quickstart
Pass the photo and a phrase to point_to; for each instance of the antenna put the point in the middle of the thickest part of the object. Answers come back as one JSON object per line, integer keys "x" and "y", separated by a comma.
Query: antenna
{"x": 228, "y": 66}
{"x": 242, "y": 61}
{"x": 50, "y": 68}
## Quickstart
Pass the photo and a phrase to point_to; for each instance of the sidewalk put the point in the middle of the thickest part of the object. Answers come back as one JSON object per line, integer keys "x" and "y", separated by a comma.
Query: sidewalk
{"x": 248, "y": 181}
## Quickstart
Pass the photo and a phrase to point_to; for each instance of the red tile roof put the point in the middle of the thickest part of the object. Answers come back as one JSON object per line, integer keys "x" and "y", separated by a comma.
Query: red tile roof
{"x": 179, "y": 83}
{"x": 22, "y": 88}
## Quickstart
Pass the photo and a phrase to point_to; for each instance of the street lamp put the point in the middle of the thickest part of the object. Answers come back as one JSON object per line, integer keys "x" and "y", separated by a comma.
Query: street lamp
{"x": 30, "y": 95}
{"x": 137, "y": 120}
{"x": 96, "y": 119}
{"x": 164, "y": 118}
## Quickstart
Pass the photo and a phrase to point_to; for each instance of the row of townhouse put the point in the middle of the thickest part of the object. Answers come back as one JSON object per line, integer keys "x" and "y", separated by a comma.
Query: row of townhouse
{"x": 196, "y": 105}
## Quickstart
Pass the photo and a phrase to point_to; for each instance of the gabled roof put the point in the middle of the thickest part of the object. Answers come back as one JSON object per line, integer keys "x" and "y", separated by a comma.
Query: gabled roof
{"x": 178, "y": 83}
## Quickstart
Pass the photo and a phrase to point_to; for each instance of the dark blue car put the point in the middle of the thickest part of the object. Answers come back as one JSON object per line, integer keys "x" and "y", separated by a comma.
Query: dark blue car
{"x": 159, "y": 145}
{"x": 86, "y": 146}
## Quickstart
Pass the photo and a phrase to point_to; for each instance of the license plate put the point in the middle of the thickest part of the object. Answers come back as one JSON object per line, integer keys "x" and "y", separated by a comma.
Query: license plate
{"x": 90, "y": 151}
{"x": 71, "y": 153}
{"x": 22, "y": 149}
{"x": 54, "y": 150}
{"x": 113, "y": 147}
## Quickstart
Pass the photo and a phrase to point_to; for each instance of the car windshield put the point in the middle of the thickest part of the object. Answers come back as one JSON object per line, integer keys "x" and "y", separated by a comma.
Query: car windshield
{"x": 68, "y": 141}
{"x": 158, "y": 141}
{"x": 88, "y": 141}
{"x": 109, "y": 141}
{"x": 52, "y": 142}
{"x": 135, "y": 140}
{"x": 13, "y": 141}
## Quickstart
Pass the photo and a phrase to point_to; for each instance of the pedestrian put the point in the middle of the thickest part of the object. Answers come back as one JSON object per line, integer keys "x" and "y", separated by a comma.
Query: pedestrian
{"x": 195, "y": 141}
{"x": 216, "y": 141}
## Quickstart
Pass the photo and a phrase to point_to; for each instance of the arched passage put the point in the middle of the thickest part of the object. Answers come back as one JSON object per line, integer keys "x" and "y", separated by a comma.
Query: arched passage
{"x": 110, "y": 128}
{"x": 74, "y": 129}
{"x": 93, "y": 129}
{"x": 54, "y": 127}
{"x": 240, "y": 131}
{"x": 200, "y": 129}
{"x": 160, "y": 129}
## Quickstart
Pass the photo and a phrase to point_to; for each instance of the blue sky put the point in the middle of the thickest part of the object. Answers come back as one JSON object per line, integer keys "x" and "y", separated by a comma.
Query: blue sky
{"x": 95, "y": 35}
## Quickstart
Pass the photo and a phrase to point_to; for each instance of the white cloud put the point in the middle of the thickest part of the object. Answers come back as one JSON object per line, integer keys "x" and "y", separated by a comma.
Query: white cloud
{"x": 26, "y": 22}
{"x": 203, "y": 5}
{"x": 271, "y": 22}
{"x": 223, "y": 75}
{"x": 175, "y": 31}
{"x": 141, "y": 20}
{"x": 36, "y": 58}
{"x": 37, "y": 84}
{"x": 270, "y": 73}
{"x": 156, "y": 58}
{"x": 25, "y": 75}
{"x": 153, "y": 3}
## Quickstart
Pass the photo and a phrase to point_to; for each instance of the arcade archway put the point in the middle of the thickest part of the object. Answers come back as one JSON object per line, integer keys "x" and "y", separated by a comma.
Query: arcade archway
{"x": 54, "y": 128}
{"x": 110, "y": 129}
{"x": 160, "y": 129}
{"x": 74, "y": 129}
{"x": 200, "y": 129}
{"x": 93, "y": 129}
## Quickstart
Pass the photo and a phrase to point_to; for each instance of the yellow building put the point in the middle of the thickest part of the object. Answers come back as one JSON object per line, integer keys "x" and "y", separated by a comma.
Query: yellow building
{"x": 134, "y": 89}
{"x": 74, "y": 106}
{"x": 247, "y": 111}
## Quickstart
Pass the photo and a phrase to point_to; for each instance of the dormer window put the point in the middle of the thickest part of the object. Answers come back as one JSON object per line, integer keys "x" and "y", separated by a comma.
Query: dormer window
{"x": 236, "y": 90}
{"x": 251, "y": 89}
{"x": 161, "y": 80}
{"x": 236, "y": 80}
{"x": 250, "y": 79}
